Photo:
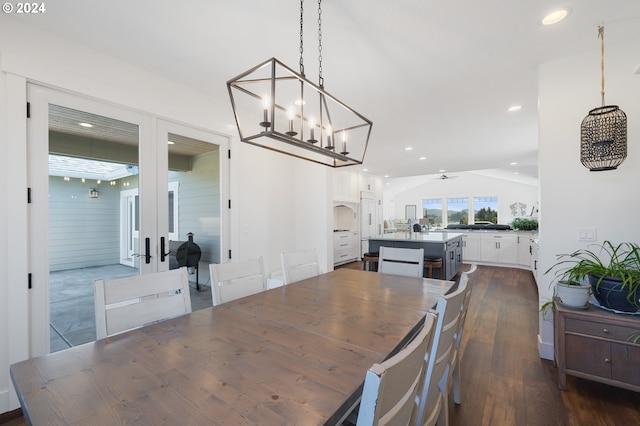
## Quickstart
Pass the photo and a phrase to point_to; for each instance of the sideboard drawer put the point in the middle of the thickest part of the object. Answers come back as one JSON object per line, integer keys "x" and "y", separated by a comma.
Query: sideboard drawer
{"x": 604, "y": 330}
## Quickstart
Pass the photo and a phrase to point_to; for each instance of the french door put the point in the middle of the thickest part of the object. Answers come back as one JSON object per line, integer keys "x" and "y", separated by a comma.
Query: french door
{"x": 104, "y": 200}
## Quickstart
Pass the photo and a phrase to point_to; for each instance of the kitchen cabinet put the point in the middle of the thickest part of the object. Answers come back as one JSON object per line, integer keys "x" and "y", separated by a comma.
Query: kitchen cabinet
{"x": 471, "y": 247}
{"x": 346, "y": 247}
{"x": 534, "y": 258}
{"x": 367, "y": 183}
{"x": 368, "y": 219}
{"x": 524, "y": 249}
{"x": 445, "y": 245}
{"x": 593, "y": 344}
{"x": 499, "y": 248}
{"x": 345, "y": 186}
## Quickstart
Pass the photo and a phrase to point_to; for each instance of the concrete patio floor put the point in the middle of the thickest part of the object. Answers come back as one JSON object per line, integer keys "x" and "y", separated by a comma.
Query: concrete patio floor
{"x": 71, "y": 298}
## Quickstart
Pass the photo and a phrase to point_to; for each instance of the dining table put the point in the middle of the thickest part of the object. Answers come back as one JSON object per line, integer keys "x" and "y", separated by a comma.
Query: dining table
{"x": 293, "y": 355}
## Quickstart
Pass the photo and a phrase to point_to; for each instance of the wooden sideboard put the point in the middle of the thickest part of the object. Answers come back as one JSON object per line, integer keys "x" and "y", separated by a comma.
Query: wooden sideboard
{"x": 594, "y": 344}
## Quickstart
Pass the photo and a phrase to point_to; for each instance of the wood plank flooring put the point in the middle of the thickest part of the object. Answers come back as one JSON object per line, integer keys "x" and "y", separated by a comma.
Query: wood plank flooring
{"x": 503, "y": 379}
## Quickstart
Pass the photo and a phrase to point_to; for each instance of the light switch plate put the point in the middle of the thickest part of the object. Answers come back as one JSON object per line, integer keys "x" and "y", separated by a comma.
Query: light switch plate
{"x": 587, "y": 234}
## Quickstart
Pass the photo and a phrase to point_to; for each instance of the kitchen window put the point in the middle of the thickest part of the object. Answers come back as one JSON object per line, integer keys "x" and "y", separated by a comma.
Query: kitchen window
{"x": 458, "y": 211}
{"x": 485, "y": 209}
{"x": 432, "y": 210}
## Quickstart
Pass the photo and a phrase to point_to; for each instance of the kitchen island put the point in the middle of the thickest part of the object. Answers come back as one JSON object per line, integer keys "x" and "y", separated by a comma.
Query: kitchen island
{"x": 446, "y": 245}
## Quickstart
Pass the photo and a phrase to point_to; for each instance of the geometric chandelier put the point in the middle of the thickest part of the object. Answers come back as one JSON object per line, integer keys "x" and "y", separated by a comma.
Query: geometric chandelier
{"x": 603, "y": 133}
{"x": 277, "y": 108}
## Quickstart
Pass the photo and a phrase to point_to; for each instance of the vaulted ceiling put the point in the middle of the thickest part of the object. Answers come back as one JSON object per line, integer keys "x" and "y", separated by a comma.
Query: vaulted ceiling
{"x": 433, "y": 76}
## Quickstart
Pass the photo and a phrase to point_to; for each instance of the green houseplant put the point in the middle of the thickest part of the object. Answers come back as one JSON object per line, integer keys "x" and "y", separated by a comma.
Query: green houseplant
{"x": 613, "y": 271}
{"x": 523, "y": 224}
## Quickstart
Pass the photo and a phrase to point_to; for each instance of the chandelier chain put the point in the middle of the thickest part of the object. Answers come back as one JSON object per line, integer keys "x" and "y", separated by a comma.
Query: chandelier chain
{"x": 301, "y": 37}
{"x": 601, "y": 36}
{"x": 320, "y": 78}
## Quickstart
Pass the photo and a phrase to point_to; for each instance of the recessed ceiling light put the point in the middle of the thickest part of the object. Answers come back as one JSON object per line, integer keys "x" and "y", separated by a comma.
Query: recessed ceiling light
{"x": 365, "y": 170}
{"x": 513, "y": 108}
{"x": 441, "y": 171}
{"x": 514, "y": 163}
{"x": 85, "y": 124}
{"x": 386, "y": 176}
{"x": 423, "y": 158}
{"x": 408, "y": 148}
{"x": 516, "y": 173}
{"x": 171, "y": 143}
{"x": 556, "y": 16}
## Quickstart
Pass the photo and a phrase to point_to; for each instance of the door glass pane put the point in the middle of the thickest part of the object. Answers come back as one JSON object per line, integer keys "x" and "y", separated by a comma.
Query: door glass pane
{"x": 93, "y": 215}
{"x": 194, "y": 211}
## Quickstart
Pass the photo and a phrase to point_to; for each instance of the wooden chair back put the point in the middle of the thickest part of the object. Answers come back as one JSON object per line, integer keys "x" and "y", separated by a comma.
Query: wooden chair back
{"x": 401, "y": 261}
{"x": 230, "y": 281}
{"x": 300, "y": 265}
{"x": 122, "y": 304}
{"x": 390, "y": 388}
{"x": 454, "y": 369}
{"x": 430, "y": 397}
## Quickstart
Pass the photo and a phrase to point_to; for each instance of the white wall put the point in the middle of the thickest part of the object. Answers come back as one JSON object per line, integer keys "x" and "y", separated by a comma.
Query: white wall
{"x": 467, "y": 184}
{"x": 268, "y": 208}
{"x": 571, "y": 195}
{"x": 4, "y": 278}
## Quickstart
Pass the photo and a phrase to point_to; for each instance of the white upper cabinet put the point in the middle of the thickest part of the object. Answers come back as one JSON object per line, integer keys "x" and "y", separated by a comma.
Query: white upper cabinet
{"x": 345, "y": 186}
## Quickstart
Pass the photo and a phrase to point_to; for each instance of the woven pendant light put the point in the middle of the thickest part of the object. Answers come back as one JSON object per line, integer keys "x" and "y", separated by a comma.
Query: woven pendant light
{"x": 603, "y": 132}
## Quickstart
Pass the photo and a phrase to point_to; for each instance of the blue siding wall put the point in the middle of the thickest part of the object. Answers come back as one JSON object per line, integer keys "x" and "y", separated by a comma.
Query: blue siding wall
{"x": 199, "y": 205}
{"x": 84, "y": 231}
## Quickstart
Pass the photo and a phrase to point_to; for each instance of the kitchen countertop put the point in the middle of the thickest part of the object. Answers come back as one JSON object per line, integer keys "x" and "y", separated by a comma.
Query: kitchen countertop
{"x": 435, "y": 237}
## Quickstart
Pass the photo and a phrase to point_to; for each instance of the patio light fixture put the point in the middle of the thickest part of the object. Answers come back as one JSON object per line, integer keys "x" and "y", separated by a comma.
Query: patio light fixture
{"x": 277, "y": 108}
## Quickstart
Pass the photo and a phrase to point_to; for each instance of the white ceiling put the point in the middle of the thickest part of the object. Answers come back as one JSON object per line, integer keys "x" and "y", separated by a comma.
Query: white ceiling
{"x": 437, "y": 76}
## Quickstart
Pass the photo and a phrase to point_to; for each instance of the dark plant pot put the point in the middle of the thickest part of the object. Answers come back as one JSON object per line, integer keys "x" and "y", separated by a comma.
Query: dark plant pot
{"x": 609, "y": 295}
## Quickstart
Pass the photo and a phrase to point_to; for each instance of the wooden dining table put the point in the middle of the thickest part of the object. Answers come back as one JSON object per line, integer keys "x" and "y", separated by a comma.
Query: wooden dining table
{"x": 295, "y": 355}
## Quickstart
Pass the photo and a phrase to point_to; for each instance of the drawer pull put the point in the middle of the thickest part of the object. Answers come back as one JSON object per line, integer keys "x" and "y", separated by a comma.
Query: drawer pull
{"x": 607, "y": 360}
{"x": 606, "y": 331}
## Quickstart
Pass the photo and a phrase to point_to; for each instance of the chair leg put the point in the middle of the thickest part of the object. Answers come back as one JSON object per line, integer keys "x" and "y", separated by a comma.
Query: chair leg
{"x": 455, "y": 378}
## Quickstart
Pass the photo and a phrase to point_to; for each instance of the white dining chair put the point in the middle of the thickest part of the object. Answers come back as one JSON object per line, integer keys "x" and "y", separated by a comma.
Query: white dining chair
{"x": 390, "y": 388}
{"x": 401, "y": 261}
{"x": 122, "y": 304}
{"x": 454, "y": 368}
{"x": 431, "y": 400}
{"x": 230, "y": 281}
{"x": 472, "y": 269}
{"x": 299, "y": 265}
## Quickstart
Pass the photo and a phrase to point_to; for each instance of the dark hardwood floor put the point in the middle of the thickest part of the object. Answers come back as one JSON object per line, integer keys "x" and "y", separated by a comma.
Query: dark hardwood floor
{"x": 503, "y": 379}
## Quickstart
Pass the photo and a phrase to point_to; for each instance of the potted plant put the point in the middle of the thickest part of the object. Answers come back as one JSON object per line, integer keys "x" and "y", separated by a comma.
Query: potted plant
{"x": 613, "y": 272}
{"x": 523, "y": 224}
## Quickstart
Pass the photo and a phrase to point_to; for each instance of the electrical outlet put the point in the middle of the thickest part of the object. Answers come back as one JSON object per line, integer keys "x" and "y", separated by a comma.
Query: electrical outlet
{"x": 587, "y": 234}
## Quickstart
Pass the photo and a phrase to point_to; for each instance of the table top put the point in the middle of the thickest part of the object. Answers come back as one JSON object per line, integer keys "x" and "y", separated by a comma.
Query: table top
{"x": 297, "y": 354}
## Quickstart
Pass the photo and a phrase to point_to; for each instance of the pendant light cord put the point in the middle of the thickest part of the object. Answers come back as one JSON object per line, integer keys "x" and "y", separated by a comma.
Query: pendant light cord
{"x": 601, "y": 36}
{"x": 301, "y": 37}
{"x": 320, "y": 78}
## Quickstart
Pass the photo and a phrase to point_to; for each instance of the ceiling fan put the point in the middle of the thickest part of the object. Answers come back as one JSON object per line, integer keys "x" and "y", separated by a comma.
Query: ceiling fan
{"x": 445, "y": 177}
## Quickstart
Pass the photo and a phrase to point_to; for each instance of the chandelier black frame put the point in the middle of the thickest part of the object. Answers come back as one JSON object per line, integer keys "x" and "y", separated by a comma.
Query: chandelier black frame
{"x": 279, "y": 109}
{"x": 603, "y": 132}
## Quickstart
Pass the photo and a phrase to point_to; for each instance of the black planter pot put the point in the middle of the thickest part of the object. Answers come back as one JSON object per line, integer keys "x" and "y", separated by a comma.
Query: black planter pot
{"x": 609, "y": 294}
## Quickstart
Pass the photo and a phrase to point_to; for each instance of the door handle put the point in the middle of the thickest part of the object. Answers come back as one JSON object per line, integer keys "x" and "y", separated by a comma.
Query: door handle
{"x": 147, "y": 250}
{"x": 163, "y": 255}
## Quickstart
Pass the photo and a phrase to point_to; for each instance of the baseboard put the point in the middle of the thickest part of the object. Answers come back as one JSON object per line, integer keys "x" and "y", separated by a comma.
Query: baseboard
{"x": 11, "y": 415}
{"x": 545, "y": 349}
